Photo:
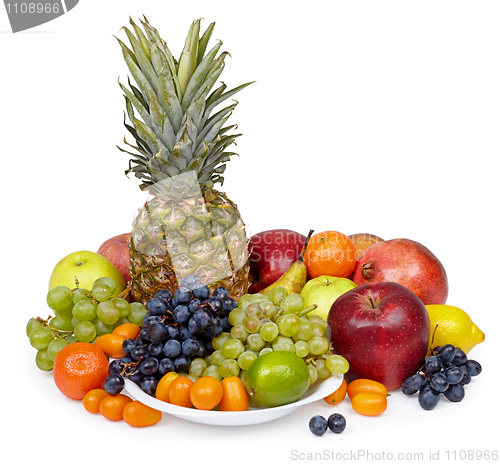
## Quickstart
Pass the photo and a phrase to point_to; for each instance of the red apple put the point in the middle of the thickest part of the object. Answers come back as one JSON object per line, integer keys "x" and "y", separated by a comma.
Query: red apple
{"x": 272, "y": 252}
{"x": 116, "y": 250}
{"x": 382, "y": 329}
{"x": 406, "y": 262}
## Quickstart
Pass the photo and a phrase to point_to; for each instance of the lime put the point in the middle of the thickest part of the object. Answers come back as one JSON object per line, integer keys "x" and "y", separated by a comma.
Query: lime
{"x": 454, "y": 326}
{"x": 276, "y": 378}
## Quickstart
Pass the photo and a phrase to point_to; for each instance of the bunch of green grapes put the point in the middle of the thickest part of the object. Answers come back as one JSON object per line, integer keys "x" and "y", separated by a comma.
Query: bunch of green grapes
{"x": 79, "y": 315}
{"x": 274, "y": 322}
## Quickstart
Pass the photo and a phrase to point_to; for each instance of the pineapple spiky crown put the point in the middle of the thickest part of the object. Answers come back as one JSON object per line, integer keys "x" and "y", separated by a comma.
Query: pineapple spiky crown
{"x": 176, "y": 132}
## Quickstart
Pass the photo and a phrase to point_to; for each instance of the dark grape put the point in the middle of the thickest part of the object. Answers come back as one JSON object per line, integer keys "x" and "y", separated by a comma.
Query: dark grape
{"x": 139, "y": 352}
{"x": 157, "y": 306}
{"x": 114, "y": 384}
{"x": 413, "y": 384}
{"x": 148, "y": 385}
{"x": 172, "y": 332}
{"x": 128, "y": 345}
{"x": 439, "y": 382}
{"x": 455, "y": 393}
{"x": 172, "y": 348}
{"x": 181, "y": 314}
{"x": 428, "y": 398}
{"x": 203, "y": 318}
{"x": 149, "y": 366}
{"x": 166, "y": 365}
{"x": 474, "y": 367}
{"x": 185, "y": 334}
{"x": 157, "y": 332}
{"x": 193, "y": 327}
{"x": 466, "y": 379}
{"x": 216, "y": 305}
{"x": 156, "y": 350}
{"x": 136, "y": 376}
{"x": 114, "y": 366}
{"x": 454, "y": 374}
{"x": 163, "y": 294}
{"x": 221, "y": 292}
{"x": 460, "y": 357}
{"x": 200, "y": 291}
{"x": 433, "y": 364}
{"x": 194, "y": 304}
{"x": 182, "y": 363}
{"x": 182, "y": 296}
{"x": 190, "y": 347}
{"x": 215, "y": 329}
{"x": 446, "y": 353}
{"x": 336, "y": 423}
{"x": 318, "y": 425}
{"x": 144, "y": 337}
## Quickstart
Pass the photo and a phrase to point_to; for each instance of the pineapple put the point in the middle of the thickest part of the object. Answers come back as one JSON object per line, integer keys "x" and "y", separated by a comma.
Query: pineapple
{"x": 187, "y": 226}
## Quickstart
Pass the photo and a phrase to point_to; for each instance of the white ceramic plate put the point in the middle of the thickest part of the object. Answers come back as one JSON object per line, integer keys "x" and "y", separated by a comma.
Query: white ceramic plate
{"x": 317, "y": 391}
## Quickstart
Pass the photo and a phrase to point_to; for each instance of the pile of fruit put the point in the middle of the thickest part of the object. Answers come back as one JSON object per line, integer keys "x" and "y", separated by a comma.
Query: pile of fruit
{"x": 197, "y": 315}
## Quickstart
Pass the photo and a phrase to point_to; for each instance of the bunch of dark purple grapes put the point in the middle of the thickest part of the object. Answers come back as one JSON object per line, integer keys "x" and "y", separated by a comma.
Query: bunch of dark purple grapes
{"x": 178, "y": 328}
{"x": 446, "y": 371}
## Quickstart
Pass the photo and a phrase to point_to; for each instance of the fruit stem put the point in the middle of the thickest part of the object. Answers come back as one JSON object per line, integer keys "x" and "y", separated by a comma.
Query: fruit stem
{"x": 307, "y": 310}
{"x": 301, "y": 257}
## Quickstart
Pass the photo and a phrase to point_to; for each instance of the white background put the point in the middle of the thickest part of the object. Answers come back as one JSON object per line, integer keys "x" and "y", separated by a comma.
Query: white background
{"x": 366, "y": 116}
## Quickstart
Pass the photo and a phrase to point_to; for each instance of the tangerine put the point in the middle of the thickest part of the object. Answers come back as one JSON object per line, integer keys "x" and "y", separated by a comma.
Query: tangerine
{"x": 93, "y": 398}
{"x": 128, "y": 330}
{"x": 78, "y": 368}
{"x": 163, "y": 387}
{"x": 330, "y": 253}
{"x": 179, "y": 392}
{"x": 138, "y": 414}
{"x": 111, "y": 344}
{"x": 234, "y": 395}
{"x": 206, "y": 393}
{"x": 111, "y": 406}
{"x": 338, "y": 395}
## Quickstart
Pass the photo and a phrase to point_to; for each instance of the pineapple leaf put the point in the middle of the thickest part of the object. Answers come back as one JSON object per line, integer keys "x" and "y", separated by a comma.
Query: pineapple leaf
{"x": 216, "y": 94}
{"x": 225, "y": 96}
{"x": 213, "y": 131}
{"x": 169, "y": 101}
{"x": 137, "y": 93}
{"x": 198, "y": 77}
{"x": 185, "y": 61}
{"x": 143, "y": 60}
{"x": 202, "y": 44}
{"x": 213, "y": 120}
{"x": 137, "y": 104}
{"x": 181, "y": 152}
{"x": 142, "y": 39}
{"x": 160, "y": 122}
{"x": 148, "y": 135}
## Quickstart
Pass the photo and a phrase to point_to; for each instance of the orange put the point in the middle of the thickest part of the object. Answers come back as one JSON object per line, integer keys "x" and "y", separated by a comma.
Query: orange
{"x": 137, "y": 414}
{"x": 78, "y": 368}
{"x": 206, "y": 393}
{"x": 338, "y": 395}
{"x": 330, "y": 253}
{"x": 369, "y": 404}
{"x": 93, "y": 398}
{"x": 365, "y": 385}
{"x": 163, "y": 386}
{"x": 128, "y": 330}
{"x": 111, "y": 406}
{"x": 111, "y": 344}
{"x": 362, "y": 241}
{"x": 179, "y": 391}
{"x": 234, "y": 395}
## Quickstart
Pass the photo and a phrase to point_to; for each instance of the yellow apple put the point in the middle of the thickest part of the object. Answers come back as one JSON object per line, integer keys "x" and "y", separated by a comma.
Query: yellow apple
{"x": 86, "y": 266}
{"x": 323, "y": 291}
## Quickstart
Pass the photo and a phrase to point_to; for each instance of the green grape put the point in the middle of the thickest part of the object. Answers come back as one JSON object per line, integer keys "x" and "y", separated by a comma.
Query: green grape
{"x": 59, "y": 297}
{"x": 101, "y": 292}
{"x": 239, "y": 332}
{"x": 282, "y": 343}
{"x": 236, "y": 317}
{"x": 323, "y": 372}
{"x": 313, "y": 374}
{"x": 66, "y": 312}
{"x": 245, "y": 359}
{"x": 107, "y": 281}
{"x": 337, "y": 364}
{"x": 265, "y": 350}
{"x": 107, "y": 312}
{"x": 32, "y": 325}
{"x": 208, "y": 360}
{"x": 269, "y": 331}
{"x": 85, "y": 331}
{"x": 289, "y": 325}
{"x": 41, "y": 337}
{"x": 137, "y": 313}
{"x": 302, "y": 348}
{"x": 81, "y": 294}
{"x": 43, "y": 361}
{"x": 197, "y": 367}
{"x": 232, "y": 348}
{"x": 293, "y": 303}
{"x": 74, "y": 321}
{"x": 254, "y": 310}
{"x": 213, "y": 371}
{"x": 252, "y": 324}
{"x": 277, "y": 295}
{"x": 55, "y": 346}
{"x": 122, "y": 305}
{"x": 258, "y": 298}
{"x": 217, "y": 358}
{"x": 318, "y": 345}
{"x": 306, "y": 330}
{"x": 255, "y": 342}
{"x": 84, "y": 310}
{"x": 320, "y": 325}
{"x": 61, "y": 323}
{"x": 244, "y": 301}
{"x": 101, "y": 327}
{"x": 217, "y": 342}
{"x": 229, "y": 368}
{"x": 268, "y": 308}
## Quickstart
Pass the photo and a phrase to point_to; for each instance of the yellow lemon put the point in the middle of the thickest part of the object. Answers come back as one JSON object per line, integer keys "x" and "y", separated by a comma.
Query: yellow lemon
{"x": 454, "y": 326}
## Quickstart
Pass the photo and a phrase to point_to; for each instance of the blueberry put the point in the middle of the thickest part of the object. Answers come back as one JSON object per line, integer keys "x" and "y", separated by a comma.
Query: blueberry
{"x": 318, "y": 425}
{"x": 336, "y": 423}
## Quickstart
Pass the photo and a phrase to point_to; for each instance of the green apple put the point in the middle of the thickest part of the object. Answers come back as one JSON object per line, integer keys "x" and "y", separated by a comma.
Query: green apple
{"x": 323, "y": 291}
{"x": 86, "y": 266}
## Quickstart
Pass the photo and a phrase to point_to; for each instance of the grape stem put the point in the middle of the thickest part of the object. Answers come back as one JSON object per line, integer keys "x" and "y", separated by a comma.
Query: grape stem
{"x": 307, "y": 310}
{"x": 57, "y": 333}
